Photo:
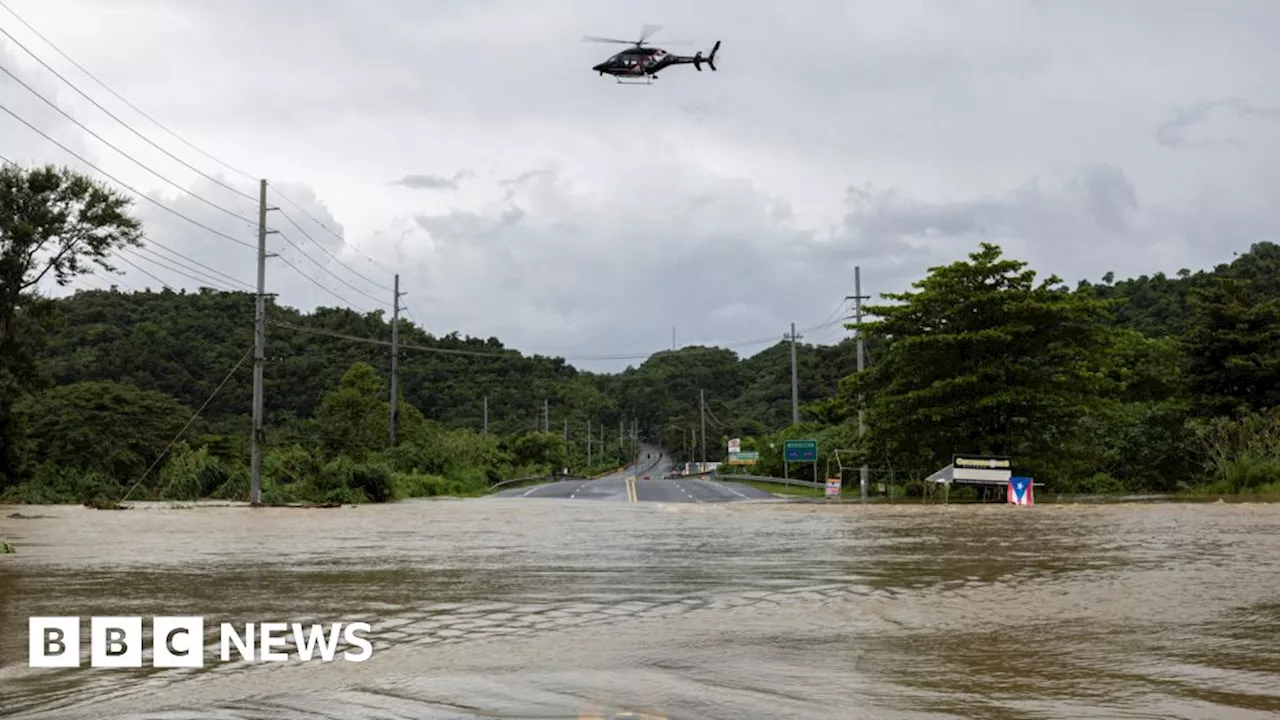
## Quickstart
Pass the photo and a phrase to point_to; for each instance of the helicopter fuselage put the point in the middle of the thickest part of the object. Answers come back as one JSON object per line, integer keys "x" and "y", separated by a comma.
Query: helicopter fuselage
{"x": 639, "y": 62}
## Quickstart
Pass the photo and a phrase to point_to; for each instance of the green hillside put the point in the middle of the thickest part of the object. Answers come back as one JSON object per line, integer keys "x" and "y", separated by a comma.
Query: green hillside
{"x": 1151, "y": 383}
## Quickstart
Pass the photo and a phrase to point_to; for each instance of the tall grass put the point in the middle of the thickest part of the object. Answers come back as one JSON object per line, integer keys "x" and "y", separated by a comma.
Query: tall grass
{"x": 1243, "y": 455}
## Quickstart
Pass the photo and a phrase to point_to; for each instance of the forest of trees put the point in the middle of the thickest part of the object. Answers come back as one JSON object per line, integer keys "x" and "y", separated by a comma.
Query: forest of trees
{"x": 1150, "y": 384}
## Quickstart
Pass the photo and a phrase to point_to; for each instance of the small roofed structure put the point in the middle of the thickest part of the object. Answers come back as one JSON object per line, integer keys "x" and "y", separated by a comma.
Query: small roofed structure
{"x": 981, "y": 470}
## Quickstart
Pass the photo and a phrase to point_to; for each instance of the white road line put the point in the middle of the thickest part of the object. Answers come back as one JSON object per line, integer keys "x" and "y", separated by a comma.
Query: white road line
{"x": 530, "y": 491}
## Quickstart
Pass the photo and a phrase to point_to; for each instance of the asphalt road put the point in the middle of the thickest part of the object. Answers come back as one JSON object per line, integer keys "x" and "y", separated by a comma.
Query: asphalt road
{"x": 630, "y": 485}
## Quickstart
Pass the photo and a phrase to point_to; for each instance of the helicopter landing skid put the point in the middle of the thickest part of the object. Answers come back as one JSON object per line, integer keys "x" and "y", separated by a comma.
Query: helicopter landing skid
{"x": 647, "y": 81}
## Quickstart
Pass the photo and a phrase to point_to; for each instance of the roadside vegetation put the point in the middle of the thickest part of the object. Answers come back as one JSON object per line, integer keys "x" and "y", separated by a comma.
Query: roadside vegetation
{"x": 1155, "y": 384}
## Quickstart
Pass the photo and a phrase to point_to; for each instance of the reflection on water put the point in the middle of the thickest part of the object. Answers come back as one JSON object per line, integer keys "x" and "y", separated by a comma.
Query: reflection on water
{"x": 549, "y": 609}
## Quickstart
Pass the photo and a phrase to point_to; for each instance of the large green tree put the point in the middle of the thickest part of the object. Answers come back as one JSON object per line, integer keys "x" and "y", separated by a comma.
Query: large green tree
{"x": 354, "y": 420}
{"x": 112, "y": 428}
{"x": 982, "y": 358}
{"x": 1233, "y": 347}
{"x": 54, "y": 223}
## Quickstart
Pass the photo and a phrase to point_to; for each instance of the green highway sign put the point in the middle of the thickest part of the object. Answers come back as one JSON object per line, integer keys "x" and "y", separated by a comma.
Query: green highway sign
{"x": 800, "y": 450}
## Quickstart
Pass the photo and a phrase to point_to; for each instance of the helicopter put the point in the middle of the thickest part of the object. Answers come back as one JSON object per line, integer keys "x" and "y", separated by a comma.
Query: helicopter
{"x": 640, "y": 65}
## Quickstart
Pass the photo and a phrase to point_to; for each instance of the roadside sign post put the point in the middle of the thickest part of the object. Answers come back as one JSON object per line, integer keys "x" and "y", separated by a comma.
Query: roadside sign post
{"x": 805, "y": 451}
{"x": 833, "y": 487}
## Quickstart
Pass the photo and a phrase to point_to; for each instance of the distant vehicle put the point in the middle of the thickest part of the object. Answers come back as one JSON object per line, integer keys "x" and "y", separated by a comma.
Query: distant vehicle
{"x": 642, "y": 64}
{"x": 646, "y": 477}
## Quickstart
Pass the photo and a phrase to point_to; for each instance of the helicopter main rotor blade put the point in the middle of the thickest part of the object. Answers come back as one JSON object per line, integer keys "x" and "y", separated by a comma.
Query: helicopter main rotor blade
{"x": 648, "y": 30}
{"x": 592, "y": 38}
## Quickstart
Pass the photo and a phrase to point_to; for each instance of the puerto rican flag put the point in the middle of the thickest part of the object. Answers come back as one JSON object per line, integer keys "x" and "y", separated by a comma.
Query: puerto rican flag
{"x": 1020, "y": 492}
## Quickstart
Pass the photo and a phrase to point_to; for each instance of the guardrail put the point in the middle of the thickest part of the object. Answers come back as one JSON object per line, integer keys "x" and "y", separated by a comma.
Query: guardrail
{"x": 770, "y": 479}
{"x": 531, "y": 478}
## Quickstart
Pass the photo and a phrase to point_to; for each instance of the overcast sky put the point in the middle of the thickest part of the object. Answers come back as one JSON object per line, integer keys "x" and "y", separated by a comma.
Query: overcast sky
{"x": 467, "y": 145}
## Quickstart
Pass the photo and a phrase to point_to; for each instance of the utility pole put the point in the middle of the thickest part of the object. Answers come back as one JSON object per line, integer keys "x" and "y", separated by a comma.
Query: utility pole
{"x": 588, "y": 443}
{"x": 259, "y": 349}
{"x": 566, "y": 430}
{"x": 702, "y": 406}
{"x": 858, "y": 297}
{"x": 622, "y": 448}
{"x": 486, "y": 414}
{"x": 601, "y": 442}
{"x": 795, "y": 384}
{"x": 673, "y": 338}
{"x": 395, "y": 360}
{"x": 546, "y": 416}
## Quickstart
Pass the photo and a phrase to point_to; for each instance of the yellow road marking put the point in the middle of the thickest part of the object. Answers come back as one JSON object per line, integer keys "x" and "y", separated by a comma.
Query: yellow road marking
{"x": 631, "y": 489}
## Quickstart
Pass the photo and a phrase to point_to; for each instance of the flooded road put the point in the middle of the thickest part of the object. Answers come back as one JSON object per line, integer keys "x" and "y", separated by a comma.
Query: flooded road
{"x": 506, "y": 607}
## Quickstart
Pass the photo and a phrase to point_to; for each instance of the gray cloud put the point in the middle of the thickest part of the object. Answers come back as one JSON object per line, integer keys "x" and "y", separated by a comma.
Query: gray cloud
{"x": 1173, "y": 131}
{"x": 433, "y": 182}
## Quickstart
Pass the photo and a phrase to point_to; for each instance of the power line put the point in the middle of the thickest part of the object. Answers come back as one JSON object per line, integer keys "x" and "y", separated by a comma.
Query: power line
{"x": 175, "y": 135}
{"x": 85, "y": 279}
{"x": 837, "y": 309}
{"x": 117, "y": 95}
{"x": 188, "y": 219}
{"x": 335, "y": 257}
{"x": 235, "y": 281}
{"x": 205, "y": 279}
{"x": 315, "y": 282}
{"x": 325, "y": 268}
{"x": 106, "y": 142}
{"x": 112, "y": 115}
{"x": 166, "y": 129}
{"x": 113, "y": 280}
{"x": 371, "y": 341}
{"x": 125, "y": 260}
{"x": 169, "y": 268}
{"x": 329, "y": 230}
{"x": 194, "y": 415}
{"x": 127, "y": 186}
{"x": 153, "y": 241}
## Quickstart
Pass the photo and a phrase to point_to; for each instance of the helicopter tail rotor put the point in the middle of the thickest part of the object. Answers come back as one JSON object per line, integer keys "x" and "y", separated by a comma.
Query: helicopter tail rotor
{"x": 711, "y": 59}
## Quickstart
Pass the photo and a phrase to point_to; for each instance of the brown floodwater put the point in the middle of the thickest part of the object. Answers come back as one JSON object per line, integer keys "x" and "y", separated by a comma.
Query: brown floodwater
{"x": 564, "y": 609}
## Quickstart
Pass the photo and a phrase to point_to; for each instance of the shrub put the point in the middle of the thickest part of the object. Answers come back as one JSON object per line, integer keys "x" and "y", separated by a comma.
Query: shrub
{"x": 372, "y": 480}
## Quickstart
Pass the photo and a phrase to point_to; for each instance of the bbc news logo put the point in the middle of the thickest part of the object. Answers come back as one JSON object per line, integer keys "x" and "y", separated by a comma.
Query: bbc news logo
{"x": 179, "y": 642}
